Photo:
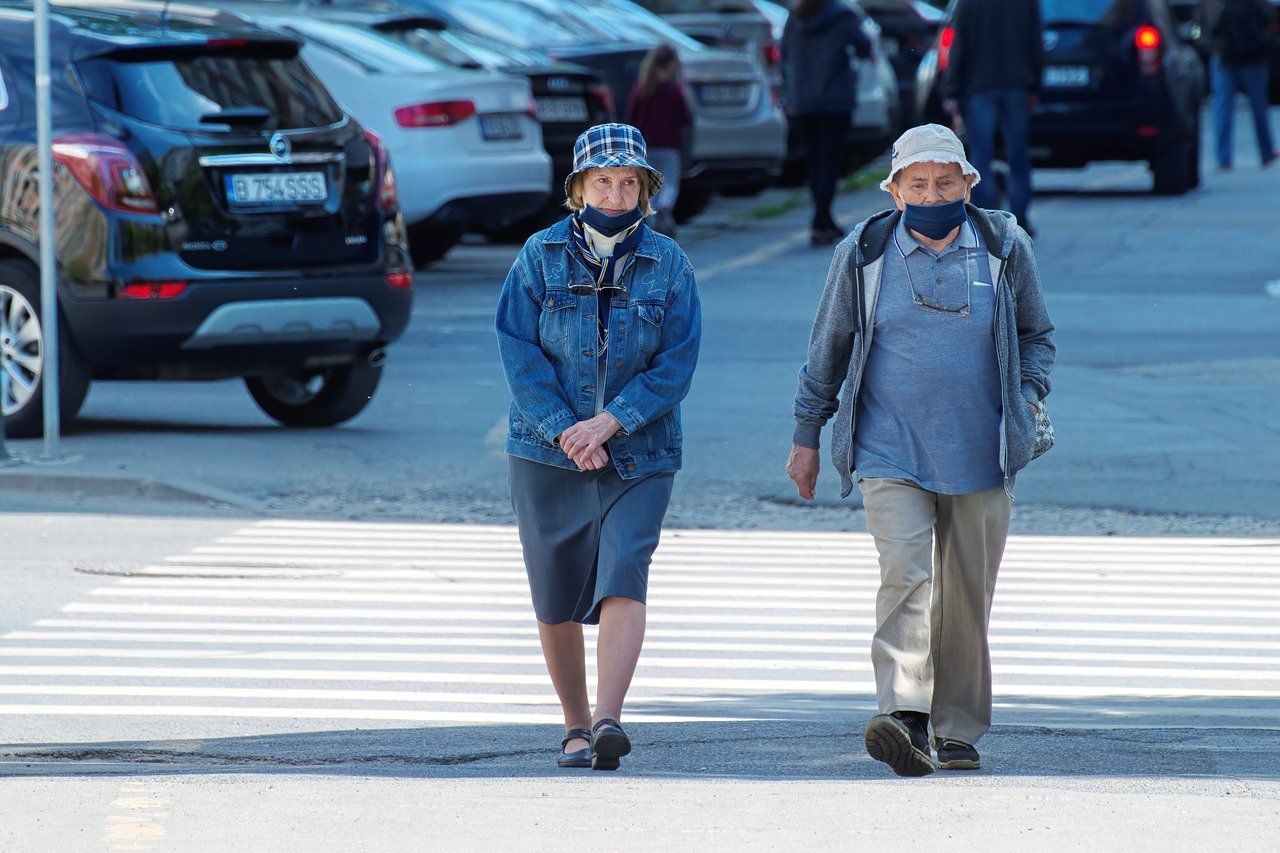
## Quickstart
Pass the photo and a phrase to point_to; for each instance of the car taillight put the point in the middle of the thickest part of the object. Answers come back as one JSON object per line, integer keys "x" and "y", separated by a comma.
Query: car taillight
{"x": 772, "y": 54}
{"x": 153, "y": 290}
{"x": 384, "y": 177}
{"x": 400, "y": 279}
{"x": 435, "y": 114}
{"x": 945, "y": 40}
{"x": 108, "y": 171}
{"x": 602, "y": 93}
{"x": 1147, "y": 40}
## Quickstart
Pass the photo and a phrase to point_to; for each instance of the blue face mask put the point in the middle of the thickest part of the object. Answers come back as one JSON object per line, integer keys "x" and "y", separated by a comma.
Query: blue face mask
{"x": 934, "y": 221}
{"x": 610, "y": 225}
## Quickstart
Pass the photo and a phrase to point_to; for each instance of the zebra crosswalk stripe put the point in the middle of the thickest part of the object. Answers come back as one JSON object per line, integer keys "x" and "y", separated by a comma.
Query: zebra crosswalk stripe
{"x": 431, "y": 623}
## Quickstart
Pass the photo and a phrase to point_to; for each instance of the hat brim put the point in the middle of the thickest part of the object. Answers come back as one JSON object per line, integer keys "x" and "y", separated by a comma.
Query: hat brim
{"x": 935, "y": 156}
{"x": 610, "y": 161}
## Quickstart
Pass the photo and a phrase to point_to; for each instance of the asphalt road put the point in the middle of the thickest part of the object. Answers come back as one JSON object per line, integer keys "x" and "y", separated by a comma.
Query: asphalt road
{"x": 1168, "y": 334}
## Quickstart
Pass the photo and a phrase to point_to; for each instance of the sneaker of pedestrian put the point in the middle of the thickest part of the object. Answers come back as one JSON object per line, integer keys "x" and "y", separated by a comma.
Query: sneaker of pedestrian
{"x": 825, "y": 236}
{"x": 901, "y": 740}
{"x": 1267, "y": 161}
{"x": 956, "y": 755}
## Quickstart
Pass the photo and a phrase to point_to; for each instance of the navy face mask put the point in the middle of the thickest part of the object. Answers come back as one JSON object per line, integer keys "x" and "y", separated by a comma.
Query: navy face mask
{"x": 934, "y": 221}
{"x": 610, "y": 225}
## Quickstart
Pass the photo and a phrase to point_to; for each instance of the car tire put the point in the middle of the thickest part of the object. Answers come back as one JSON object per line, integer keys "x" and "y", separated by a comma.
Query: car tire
{"x": 691, "y": 202}
{"x": 430, "y": 243}
{"x": 22, "y": 355}
{"x": 1177, "y": 170}
{"x": 316, "y": 398}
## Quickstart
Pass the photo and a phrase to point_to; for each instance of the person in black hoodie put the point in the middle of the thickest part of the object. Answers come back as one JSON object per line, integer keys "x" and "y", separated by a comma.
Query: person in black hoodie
{"x": 820, "y": 92}
{"x": 993, "y": 82}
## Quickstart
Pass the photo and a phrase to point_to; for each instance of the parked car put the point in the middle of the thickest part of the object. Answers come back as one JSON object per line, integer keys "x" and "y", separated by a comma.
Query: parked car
{"x": 1119, "y": 84}
{"x": 569, "y": 98}
{"x": 466, "y": 143}
{"x": 876, "y": 116}
{"x": 218, "y": 215}
{"x": 737, "y": 25}
{"x": 908, "y": 29}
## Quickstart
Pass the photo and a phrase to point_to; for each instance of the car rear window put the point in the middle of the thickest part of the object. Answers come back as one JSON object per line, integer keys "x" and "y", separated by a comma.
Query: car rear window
{"x": 1077, "y": 11}
{"x": 178, "y": 90}
{"x": 691, "y": 7}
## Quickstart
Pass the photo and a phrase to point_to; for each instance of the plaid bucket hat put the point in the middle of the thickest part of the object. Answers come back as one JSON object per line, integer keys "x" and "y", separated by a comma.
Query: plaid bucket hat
{"x": 607, "y": 145}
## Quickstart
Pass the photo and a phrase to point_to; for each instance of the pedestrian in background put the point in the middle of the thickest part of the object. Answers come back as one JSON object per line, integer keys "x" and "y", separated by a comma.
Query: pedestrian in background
{"x": 657, "y": 107}
{"x": 934, "y": 324}
{"x": 820, "y": 85}
{"x": 598, "y": 328}
{"x": 1239, "y": 35}
{"x": 992, "y": 81}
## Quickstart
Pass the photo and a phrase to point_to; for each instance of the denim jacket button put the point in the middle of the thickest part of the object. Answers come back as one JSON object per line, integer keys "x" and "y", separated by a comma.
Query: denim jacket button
{"x": 631, "y": 467}
{"x": 618, "y": 364}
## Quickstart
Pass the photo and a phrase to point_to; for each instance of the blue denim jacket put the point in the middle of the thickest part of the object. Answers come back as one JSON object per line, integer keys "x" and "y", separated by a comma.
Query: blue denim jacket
{"x": 547, "y": 336}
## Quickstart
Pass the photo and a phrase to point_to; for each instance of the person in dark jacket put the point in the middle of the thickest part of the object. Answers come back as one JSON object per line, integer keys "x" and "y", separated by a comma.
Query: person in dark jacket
{"x": 658, "y": 109}
{"x": 993, "y": 82}
{"x": 1239, "y": 35}
{"x": 820, "y": 92}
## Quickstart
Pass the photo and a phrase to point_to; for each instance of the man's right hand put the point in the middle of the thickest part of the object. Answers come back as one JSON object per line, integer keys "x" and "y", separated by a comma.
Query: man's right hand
{"x": 802, "y": 468}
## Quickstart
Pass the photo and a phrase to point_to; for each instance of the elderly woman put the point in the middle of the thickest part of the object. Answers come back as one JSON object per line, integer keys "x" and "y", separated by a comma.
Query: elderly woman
{"x": 598, "y": 326}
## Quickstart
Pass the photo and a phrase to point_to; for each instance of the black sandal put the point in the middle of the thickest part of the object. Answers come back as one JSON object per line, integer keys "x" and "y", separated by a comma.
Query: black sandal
{"x": 578, "y": 758}
{"x": 608, "y": 743}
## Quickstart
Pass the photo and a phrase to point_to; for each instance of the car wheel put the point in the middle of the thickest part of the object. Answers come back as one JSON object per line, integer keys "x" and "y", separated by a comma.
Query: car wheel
{"x": 1177, "y": 169}
{"x": 22, "y": 355}
{"x": 430, "y": 243}
{"x": 316, "y": 398}
{"x": 691, "y": 202}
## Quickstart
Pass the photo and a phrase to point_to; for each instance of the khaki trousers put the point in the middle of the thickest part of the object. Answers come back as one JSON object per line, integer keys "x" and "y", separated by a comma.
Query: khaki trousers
{"x": 939, "y": 555}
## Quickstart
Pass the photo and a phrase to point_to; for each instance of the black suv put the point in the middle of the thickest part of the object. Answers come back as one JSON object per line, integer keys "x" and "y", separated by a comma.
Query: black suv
{"x": 218, "y": 215}
{"x": 1119, "y": 84}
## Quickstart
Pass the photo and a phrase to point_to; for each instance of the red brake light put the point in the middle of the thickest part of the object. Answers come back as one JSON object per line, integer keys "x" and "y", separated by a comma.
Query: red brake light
{"x": 153, "y": 290}
{"x": 225, "y": 43}
{"x": 435, "y": 114}
{"x": 772, "y": 54}
{"x": 108, "y": 171}
{"x": 1147, "y": 40}
{"x": 945, "y": 39}
{"x": 604, "y": 95}
{"x": 400, "y": 280}
{"x": 383, "y": 177}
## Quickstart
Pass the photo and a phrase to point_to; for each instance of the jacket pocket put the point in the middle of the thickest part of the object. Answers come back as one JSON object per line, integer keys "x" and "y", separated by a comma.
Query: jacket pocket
{"x": 558, "y": 318}
{"x": 649, "y": 328}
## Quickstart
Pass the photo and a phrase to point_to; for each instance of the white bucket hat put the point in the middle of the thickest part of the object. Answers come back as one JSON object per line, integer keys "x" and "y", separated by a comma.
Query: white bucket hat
{"x": 928, "y": 143}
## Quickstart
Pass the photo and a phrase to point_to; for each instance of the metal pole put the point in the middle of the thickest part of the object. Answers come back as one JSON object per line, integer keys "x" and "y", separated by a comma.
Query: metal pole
{"x": 48, "y": 263}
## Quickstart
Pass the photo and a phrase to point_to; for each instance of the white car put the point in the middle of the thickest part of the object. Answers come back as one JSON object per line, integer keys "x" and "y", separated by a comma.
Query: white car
{"x": 466, "y": 145}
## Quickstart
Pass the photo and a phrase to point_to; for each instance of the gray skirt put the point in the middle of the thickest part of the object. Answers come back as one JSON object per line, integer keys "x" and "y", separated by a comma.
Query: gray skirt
{"x": 586, "y": 535}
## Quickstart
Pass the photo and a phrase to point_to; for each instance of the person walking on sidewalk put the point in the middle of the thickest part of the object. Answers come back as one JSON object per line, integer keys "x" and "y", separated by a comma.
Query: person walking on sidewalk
{"x": 598, "y": 327}
{"x": 992, "y": 81}
{"x": 820, "y": 92}
{"x": 933, "y": 322}
{"x": 658, "y": 109}
{"x": 1239, "y": 34}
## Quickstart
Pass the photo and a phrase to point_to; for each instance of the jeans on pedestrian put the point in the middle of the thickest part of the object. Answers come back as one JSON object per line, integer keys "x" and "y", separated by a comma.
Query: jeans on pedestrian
{"x": 666, "y": 161}
{"x": 1007, "y": 112}
{"x": 1226, "y": 79}
{"x": 823, "y": 137}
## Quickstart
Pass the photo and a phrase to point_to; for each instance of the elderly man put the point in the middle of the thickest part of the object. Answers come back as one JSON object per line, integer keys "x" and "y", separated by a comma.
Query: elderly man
{"x": 933, "y": 322}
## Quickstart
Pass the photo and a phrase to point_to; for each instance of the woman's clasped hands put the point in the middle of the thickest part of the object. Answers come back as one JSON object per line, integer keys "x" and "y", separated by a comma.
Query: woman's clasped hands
{"x": 584, "y": 442}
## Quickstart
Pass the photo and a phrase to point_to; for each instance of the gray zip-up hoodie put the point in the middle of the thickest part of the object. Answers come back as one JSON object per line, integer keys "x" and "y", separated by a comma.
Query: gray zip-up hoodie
{"x": 841, "y": 338}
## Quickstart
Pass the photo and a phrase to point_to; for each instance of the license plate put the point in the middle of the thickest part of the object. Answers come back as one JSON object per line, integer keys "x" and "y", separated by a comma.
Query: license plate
{"x": 276, "y": 188}
{"x": 1062, "y": 76}
{"x": 561, "y": 109}
{"x": 724, "y": 94}
{"x": 500, "y": 127}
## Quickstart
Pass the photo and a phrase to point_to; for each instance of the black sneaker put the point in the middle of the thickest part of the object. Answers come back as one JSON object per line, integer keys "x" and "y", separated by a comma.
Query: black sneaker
{"x": 902, "y": 742}
{"x": 956, "y": 755}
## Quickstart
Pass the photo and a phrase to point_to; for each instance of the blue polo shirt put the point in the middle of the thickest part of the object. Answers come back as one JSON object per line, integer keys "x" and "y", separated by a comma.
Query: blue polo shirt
{"x": 929, "y": 403}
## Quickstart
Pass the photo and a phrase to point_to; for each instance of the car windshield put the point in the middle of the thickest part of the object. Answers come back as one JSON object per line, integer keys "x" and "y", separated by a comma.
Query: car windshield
{"x": 463, "y": 48}
{"x": 182, "y": 91}
{"x": 372, "y": 50}
{"x": 689, "y": 7}
{"x": 1077, "y": 11}
{"x": 516, "y": 23}
{"x": 627, "y": 21}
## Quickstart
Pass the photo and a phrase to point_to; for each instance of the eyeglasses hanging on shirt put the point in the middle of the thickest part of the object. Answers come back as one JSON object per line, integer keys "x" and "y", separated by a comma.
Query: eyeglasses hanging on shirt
{"x": 944, "y": 299}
